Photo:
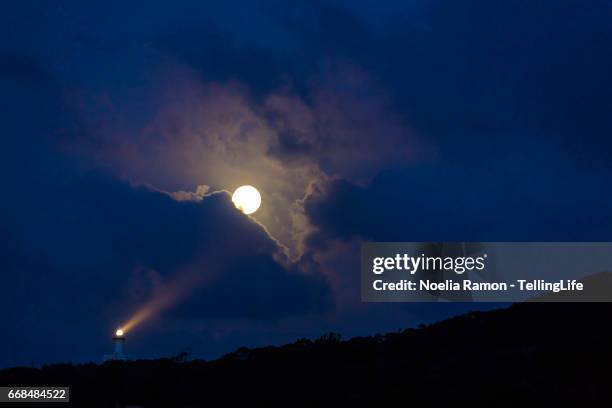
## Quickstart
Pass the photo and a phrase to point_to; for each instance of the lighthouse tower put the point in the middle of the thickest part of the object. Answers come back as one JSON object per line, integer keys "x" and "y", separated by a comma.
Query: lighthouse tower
{"x": 118, "y": 342}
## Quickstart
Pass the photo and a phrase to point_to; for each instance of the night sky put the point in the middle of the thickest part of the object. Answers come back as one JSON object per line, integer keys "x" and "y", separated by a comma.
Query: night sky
{"x": 126, "y": 126}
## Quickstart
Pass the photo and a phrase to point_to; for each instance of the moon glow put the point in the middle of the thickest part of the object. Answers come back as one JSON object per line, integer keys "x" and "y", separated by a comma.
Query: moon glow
{"x": 247, "y": 199}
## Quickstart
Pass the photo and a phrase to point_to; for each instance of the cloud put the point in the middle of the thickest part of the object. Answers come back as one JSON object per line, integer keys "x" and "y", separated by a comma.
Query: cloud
{"x": 197, "y": 195}
{"x": 465, "y": 203}
{"x": 27, "y": 70}
{"x": 217, "y": 134}
{"x": 481, "y": 75}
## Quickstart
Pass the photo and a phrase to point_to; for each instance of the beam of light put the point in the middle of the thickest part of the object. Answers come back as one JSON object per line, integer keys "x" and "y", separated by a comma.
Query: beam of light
{"x": 167, "y": 296}
{"x": 245, "y": 198}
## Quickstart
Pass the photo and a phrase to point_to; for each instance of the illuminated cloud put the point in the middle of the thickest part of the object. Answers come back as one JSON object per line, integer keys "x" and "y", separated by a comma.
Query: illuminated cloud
{"x": 283, "y": 143}
{"x": 197, "y": 195}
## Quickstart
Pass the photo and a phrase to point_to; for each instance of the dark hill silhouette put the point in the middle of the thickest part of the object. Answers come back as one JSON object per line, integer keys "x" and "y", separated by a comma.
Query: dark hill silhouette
{"x": 529, "y": 354}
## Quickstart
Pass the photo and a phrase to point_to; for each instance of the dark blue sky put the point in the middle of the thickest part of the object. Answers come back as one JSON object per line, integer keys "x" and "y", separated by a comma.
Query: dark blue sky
{"x": 388, "y": 121}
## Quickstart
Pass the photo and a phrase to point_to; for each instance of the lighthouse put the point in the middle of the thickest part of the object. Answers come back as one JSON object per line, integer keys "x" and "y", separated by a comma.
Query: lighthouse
{"x": 118, "y": 343}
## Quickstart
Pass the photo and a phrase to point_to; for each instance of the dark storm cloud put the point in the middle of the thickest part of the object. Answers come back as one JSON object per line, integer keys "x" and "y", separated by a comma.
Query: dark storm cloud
{"x": 472, "y": 70}
{"x": 26, "y": 69}
{"x": 244, "y": 269}
{"x": 220, "y": 56}
{"x": 105, "y": 230}
{"x": 466, "y": 204}
{"x": 298, "y": 38}
{"x": 257, "y": 287}
{"x": 322, "y": 30}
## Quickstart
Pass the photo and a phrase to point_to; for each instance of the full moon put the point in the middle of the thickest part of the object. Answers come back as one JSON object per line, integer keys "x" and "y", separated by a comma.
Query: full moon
{"x": 247, "y": 199}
